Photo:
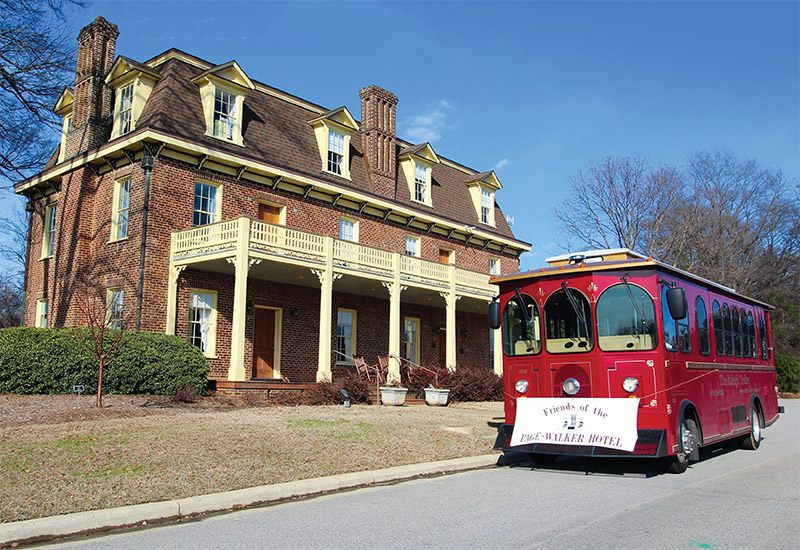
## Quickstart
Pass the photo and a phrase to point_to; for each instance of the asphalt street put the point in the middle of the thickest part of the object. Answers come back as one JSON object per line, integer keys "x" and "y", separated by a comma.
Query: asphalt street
{"x": 731, "y": 499}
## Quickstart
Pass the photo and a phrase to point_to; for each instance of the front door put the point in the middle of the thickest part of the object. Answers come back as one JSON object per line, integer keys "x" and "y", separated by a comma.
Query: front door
{"x": 264, "y": 343}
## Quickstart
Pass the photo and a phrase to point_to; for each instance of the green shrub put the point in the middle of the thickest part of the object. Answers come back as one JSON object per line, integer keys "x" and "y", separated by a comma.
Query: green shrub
{"x": 788, "y": 372}
{"x": 41, "y": 361}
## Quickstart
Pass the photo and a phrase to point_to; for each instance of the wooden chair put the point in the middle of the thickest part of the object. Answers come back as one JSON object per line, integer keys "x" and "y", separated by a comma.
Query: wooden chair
{"x": 383, "y": 366}
{"x": 368, "y": 372}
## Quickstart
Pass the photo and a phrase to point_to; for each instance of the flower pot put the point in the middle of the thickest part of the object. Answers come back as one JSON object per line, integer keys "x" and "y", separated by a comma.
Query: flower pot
{"x": 436, "y": 397}
{"x": 391, "y": 395}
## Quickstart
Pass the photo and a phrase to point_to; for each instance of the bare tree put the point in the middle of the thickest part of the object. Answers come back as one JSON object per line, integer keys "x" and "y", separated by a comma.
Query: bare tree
{"x": 106, "y": 325}
{"x": 10, "y": 302}
{"x": 14, "y": 242}
{"x": 37, "y": 60}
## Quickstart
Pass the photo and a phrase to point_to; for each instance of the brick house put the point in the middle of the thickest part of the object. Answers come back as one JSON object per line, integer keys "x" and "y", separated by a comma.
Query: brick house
{"x": 281, "y": 237}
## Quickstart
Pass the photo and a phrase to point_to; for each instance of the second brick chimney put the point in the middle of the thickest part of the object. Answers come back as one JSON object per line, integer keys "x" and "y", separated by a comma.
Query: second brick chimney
{"x": 378, "y": 120}
{"x": 91, "y": 118}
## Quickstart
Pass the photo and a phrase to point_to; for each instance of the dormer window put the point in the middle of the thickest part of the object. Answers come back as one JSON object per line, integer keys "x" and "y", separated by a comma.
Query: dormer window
{"x": 64, "y": 108}
{"x": 417, "y": 163}
{"x": 335, "y": 152}
{"x": 486, "y": 206}
{"x": 333, "y": 131}
{"x": 125, "y": 113}
{"x": 224, "y": 114}
{"x": 482, "y": 188}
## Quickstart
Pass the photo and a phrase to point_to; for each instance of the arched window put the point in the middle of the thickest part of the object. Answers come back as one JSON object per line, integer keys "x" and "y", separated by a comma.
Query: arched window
{"x": 719, "y": 338}
{"x": 521, "y": 327}
{"x": 568, "y": 320}
{"x": 737, "y": 332}
{"x": 751, "y": 333}
{"x": 670, "y": 330}
{"x": 703, "y": 343}
{"x": 626, "y": 319}
{"x": 728, "y": 324}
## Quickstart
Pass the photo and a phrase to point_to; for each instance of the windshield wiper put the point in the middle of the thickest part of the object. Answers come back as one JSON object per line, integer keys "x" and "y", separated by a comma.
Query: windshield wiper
{"x": 528, "y": 341}
{"x": 639, "y": 312}
{"x": 579, "y": 313}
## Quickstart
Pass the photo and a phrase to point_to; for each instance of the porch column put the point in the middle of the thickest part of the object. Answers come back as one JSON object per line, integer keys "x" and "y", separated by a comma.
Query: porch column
{"x": 326, "y": 278}
{"x": 236, "y": 370}
{"x": 498, "y": 351}
{"x": 172, "y": 297}
{"x": 395, "y": 329}
{"x": 450, "y": 299}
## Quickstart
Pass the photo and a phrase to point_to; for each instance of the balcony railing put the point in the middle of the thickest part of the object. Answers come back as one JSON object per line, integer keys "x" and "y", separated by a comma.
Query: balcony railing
{"x": 293, "y": 243}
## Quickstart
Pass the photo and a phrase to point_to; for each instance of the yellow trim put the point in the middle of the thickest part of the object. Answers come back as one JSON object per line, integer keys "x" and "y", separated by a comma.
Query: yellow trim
{"x": 48, "y": 237}
{"x": 278, "y": 333}
{"x": 322, "y": 129}
{"x": 418, "y": 326}
{"x": 497, "y": 263}
{"x": 230, "y": 73}
{"x": 340, "y": 116}
{"x": 475, "y": 191}
{"x": 40, "y": 304}
{"x": 65, "y": 102}
{"x": 143, "y": 84}
{"x": 419, "y": 246}
{"x": 219, "y": 186}
{"x": 281, "y": 214}
{"x": 65, "y": 126}
{"x": 353, "y": 340}
{"x": 408, "y": 165}
{"x": 451, "y": 256}
{"x": 115, "y": 211}
{"x": 212, "y": 333}
{"x": 355, "y": 228}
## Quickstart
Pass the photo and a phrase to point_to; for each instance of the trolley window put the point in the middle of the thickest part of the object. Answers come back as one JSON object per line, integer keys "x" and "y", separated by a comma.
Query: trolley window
{"x": 702, "y": 327}
{"x": 626, "y": 319}
{"x": 521, "y": 326}
{"x": 670, "y": 331}
{"x": 568, "y": 320}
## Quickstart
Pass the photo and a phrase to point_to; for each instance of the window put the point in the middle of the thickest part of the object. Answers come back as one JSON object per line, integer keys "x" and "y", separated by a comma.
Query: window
{"x": 119, "y": 215}
{"x": 670, "y": 331}
{"x": 626, "y": 319}
{"x": 124, "y": 116}
{"x": 684, "y": 334}
{"x": 335, "y": 152}
{"x": 411, "y": 336}
{"x": 737, "y": 332}
{"x": 702, "y": 327}
{"x": 568, "y": 322}
{"x": 224, "y": 114}
{"x": 719, "y": 335}
{"x": 347, "y": 230}
{"x": 751, "y": 332}
{"x": 206, "y": 205}
{"x": 412, "y": 246}
{"x": 49, "y": 237}
{"x": 494, "y": 266}
{"x": 486, "y": 206}
{"x": 728, "y": 326}
{"x": 420, "y": 183}
{"x": 114, "y": 300}
{"x": 762, "y": 337}
{"x": 345, "y": 334}
{"x": 522, "y": 333}
{"x": 41, "y": 313}
{"x": 202, "y": 320}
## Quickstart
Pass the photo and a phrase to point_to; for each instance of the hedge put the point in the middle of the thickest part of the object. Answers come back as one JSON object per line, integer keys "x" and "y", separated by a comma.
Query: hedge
{"x": 51, "y": 361}
{"x": 788, "y": 372}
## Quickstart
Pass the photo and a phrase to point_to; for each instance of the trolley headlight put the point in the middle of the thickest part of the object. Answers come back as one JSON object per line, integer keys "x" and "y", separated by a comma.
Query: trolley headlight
{"x": 521, "y": 386}
{"x": 571, "y": 386}
{"x": 630, "y": 384}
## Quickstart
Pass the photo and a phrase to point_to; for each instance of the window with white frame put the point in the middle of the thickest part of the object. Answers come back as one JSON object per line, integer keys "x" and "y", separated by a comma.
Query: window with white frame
{"x": 347, "y": 230}
{"x": 494, "y": 266}
{"x": 206, "y": 206}
{"x": 345, "y": 334}
{"x": 122, "y": 204}
{"x": 335, "y": 152}
{"x": 114, "y": 301}
{"x": 486, "y": 206}
{"x": 412, "y": 246}
{"x": 41, "y": 313}
{"x": 411, "y": 336}
{"x": 224, "y": 114}
{"x": 420, "y": 183}
{"x": 49, "y": 237}
{"x": 202, "y": 320}
{"x": 125, "y": 115}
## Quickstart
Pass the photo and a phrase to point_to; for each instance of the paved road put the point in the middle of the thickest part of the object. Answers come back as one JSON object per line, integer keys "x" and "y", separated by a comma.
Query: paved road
{"x": 731, "y": 499}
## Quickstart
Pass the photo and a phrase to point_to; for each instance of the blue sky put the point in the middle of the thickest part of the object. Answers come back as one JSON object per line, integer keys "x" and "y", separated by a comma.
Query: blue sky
{"x": 534, "y": 90}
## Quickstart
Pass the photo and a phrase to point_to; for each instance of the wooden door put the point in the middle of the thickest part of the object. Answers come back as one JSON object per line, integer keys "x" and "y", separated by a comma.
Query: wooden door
{"x": 442, "y": 348}
{"x": 444, "y": 256}
{"x": 264, "y": 343}
{"x": 269, "y": 213}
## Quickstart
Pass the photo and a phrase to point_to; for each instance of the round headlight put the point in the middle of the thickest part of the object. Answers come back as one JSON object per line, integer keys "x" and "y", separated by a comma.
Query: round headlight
{"x": 630, "y": 384}
{"x": 521, "y": 386}
{"x": 571, "y": 386}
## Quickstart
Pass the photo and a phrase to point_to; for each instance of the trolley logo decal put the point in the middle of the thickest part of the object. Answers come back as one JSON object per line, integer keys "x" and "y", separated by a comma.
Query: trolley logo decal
{"x": 607, "y": 423}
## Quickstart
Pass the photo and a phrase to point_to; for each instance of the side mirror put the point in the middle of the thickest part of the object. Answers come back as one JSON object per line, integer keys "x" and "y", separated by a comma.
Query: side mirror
{"x": 676, "y": 301}
{"x": 494, "y": 315}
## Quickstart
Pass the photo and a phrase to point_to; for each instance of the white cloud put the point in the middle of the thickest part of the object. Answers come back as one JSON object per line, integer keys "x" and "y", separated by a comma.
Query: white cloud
{"x": 429, "y": 125}
{"x": 502, "y": 164}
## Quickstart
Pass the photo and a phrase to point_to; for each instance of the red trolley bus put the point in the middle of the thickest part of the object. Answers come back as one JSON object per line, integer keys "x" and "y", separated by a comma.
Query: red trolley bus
{"x": 601, "y": 326}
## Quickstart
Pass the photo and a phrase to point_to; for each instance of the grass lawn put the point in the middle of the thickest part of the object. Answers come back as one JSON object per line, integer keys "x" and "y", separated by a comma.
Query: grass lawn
{"x": 128, "y": 454}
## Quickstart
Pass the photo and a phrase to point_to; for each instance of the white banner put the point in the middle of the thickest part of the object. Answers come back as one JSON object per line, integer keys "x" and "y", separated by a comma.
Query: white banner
{"x": 600, "y": 422}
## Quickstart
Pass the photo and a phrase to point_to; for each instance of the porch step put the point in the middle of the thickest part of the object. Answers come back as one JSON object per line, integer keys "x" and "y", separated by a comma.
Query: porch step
{"x": 374, "y": 398}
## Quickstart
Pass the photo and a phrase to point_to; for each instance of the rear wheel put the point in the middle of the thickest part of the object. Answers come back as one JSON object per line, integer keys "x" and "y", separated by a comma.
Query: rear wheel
{"x": 752, "y": 440}
{"x": 689, "y": 442}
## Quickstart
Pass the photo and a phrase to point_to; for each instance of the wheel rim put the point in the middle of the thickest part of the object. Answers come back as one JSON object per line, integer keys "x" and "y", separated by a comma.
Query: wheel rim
{"x": 687, "y": 440}
{"x": 755, "y": 425}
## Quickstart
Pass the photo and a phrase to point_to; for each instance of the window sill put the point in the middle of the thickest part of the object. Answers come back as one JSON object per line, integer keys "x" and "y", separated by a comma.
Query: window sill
{"x": 240, "y": 143}
{"x": 345, "y": 363}
{"x": 43, "y": 258}
{"x": 112, "y": 241}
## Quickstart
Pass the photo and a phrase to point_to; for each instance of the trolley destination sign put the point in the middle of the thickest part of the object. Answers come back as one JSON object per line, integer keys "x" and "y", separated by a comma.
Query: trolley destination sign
{"x": 609, "y": 423}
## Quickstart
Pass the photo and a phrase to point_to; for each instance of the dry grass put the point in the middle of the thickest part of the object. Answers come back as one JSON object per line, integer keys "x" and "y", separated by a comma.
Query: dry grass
{"x": 60, "y": 455}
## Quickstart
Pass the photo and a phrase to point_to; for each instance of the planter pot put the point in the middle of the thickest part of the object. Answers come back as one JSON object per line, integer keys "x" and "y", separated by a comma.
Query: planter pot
{"x": 436, "y": 397}
{"x": 391, "y": 395}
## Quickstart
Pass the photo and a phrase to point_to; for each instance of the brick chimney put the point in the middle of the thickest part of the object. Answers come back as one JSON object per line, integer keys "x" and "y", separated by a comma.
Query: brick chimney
{"x": 91, "y": 116}
{"x": 378, "y": 138}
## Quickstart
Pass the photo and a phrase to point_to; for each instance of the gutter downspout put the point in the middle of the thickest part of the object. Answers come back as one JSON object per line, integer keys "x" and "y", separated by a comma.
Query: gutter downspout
{"x": 147, "y": 165}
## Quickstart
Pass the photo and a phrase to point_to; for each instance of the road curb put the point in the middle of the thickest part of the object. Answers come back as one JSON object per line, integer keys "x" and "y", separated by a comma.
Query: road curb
{"x": 111, "y": 518}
